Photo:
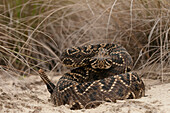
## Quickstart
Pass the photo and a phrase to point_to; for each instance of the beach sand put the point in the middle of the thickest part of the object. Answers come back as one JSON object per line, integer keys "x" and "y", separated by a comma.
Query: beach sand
{"x": 29, "y": 95}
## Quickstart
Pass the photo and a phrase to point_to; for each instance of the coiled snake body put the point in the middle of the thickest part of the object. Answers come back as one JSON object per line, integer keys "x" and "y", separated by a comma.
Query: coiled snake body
{"x": 101, "y": 72}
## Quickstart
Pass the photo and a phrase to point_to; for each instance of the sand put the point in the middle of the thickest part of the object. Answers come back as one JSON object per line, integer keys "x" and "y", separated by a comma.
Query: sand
{"x": 29, "y": 95}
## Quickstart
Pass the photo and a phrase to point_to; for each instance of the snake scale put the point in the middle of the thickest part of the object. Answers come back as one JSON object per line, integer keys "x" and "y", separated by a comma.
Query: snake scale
{"x": 101, "y": 72}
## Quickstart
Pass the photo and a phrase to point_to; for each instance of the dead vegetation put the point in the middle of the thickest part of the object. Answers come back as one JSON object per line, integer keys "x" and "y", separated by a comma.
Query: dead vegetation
{"x": 33, "y": 33}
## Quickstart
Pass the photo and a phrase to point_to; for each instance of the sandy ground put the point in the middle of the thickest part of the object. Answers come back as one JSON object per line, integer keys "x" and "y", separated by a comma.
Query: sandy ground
{"x": 29, "y": 95}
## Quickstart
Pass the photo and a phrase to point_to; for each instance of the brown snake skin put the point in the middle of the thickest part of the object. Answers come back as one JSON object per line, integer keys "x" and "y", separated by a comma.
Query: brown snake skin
{"x": 101, "y": 72}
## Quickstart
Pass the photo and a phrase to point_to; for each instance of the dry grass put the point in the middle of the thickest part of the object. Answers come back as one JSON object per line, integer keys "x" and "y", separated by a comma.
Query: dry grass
{"x": 33, "y": 33}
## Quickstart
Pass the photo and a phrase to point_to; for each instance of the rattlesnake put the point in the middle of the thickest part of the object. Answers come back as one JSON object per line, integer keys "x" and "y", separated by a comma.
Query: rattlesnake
{"x": 101, "y": 72}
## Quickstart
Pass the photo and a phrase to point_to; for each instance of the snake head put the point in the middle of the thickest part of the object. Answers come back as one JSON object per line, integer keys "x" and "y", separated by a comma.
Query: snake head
{"x": 102, "y": 60}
